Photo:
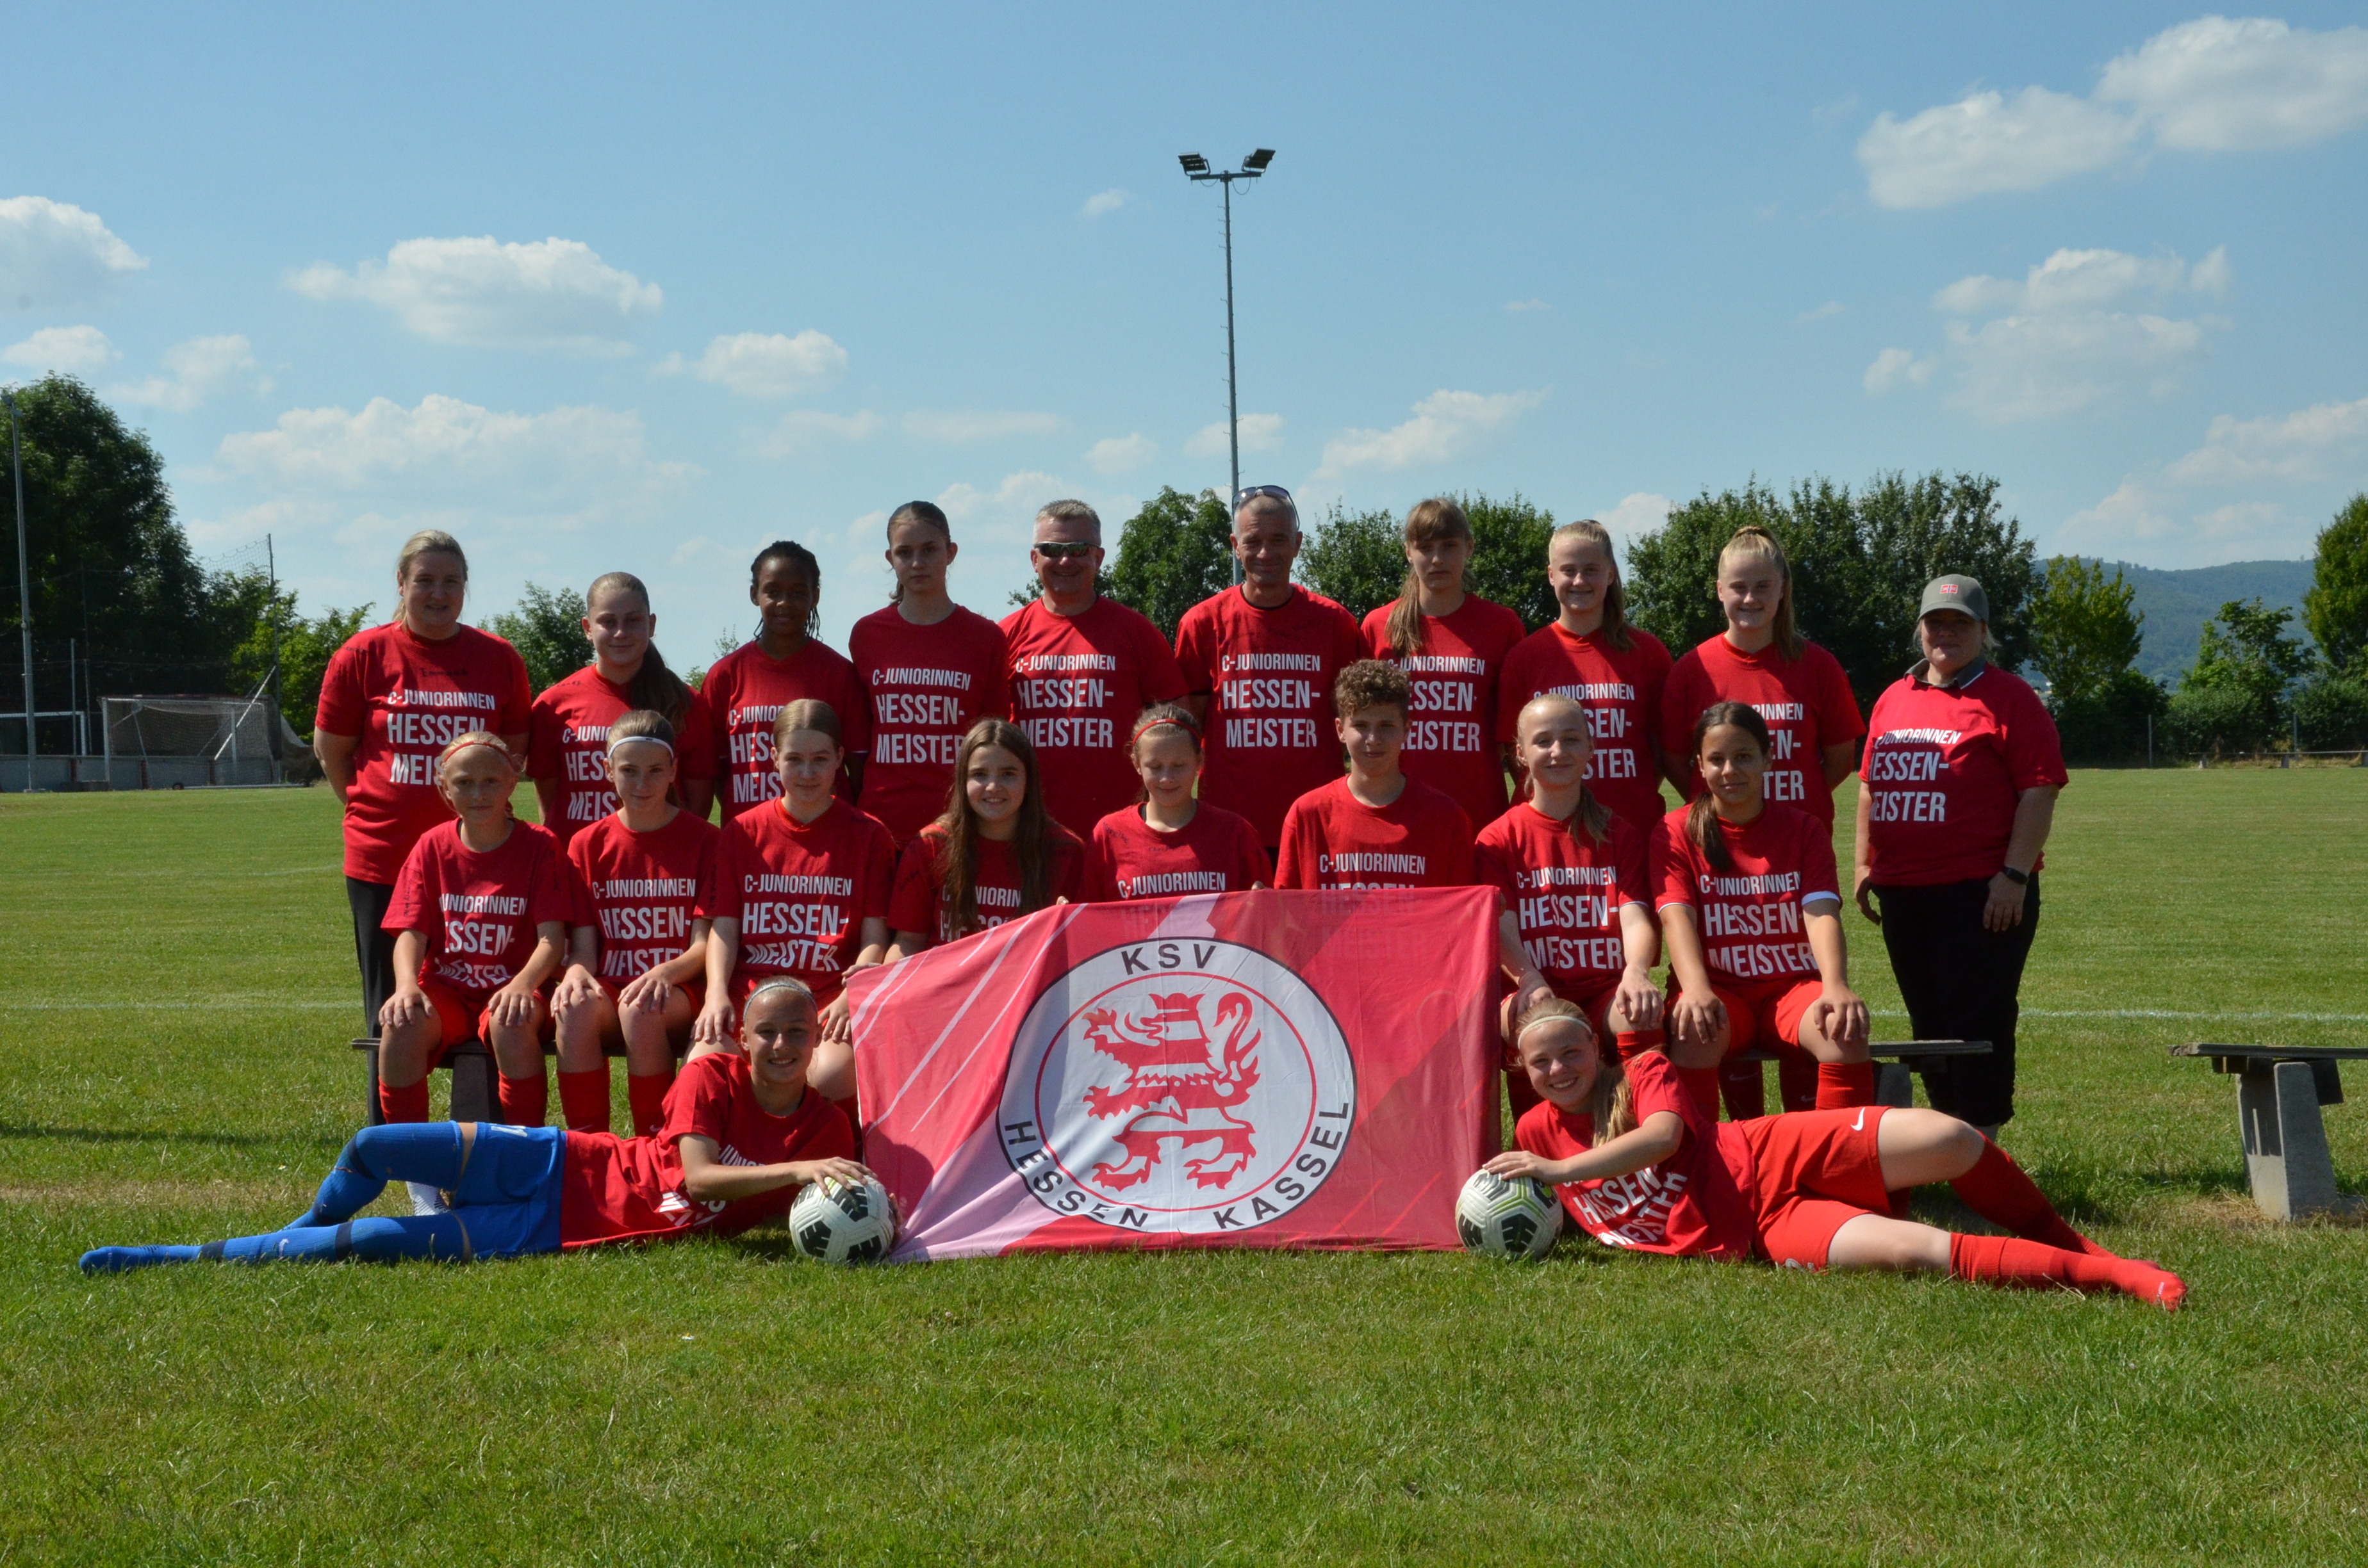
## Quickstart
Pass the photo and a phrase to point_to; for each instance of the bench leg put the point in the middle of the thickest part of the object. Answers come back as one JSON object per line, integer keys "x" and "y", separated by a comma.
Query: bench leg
{"x": 372, "y": 1115}
{"x": 2285, "y": 1141}
{"x": 475, "y": 1094}
{"x": 1894, "y": 1084}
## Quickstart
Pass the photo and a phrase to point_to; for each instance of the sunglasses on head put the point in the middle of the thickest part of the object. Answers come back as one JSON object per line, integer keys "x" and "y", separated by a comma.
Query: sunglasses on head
{"x": 1071, "y": 549}
{"x": 1277, "y": 491}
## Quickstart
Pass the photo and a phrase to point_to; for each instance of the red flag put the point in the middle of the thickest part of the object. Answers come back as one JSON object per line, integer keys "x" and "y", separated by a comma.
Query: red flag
{"x": 1256, "y": 1070}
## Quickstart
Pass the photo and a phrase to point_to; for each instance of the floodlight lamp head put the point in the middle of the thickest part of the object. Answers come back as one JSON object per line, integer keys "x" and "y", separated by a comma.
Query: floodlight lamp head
{"x": 1193, "y": 164}
{"x": 1257, "y": 162}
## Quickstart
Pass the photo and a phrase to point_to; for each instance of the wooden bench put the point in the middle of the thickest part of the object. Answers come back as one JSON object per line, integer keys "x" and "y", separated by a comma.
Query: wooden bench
{"x": 1894, "y": 1080}
{"x": 2279, "y": 1092}
{"x": 477, "y": 1092}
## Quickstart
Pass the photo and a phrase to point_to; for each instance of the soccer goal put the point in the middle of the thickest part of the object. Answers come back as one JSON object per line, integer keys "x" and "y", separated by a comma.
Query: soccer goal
{"x": 164, "y": 743}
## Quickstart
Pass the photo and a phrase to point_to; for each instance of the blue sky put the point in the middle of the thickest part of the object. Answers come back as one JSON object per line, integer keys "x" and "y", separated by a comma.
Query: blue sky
{"x": 605, "y": 288}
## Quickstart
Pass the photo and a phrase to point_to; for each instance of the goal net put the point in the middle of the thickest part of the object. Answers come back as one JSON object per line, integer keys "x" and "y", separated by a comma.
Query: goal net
{"x": 156, "y": 742}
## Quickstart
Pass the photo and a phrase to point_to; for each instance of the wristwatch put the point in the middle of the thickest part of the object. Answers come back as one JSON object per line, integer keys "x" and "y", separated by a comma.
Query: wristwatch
{"x": 2019, "y": 878}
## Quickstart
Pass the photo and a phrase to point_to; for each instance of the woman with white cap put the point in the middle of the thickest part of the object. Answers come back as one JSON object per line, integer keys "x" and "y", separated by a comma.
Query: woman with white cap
{"x": 1956, "y": 793}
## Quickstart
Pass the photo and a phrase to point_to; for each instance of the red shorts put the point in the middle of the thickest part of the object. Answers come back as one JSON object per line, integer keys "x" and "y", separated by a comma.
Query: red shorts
{"x": 462, "y": 1015}
{"x": 1812, "y": 1172}
{"x": 1766, "y": 1016}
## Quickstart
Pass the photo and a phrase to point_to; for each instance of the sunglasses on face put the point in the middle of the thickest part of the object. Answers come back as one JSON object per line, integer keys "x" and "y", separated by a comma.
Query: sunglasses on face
{"x": 1070, "y": 551}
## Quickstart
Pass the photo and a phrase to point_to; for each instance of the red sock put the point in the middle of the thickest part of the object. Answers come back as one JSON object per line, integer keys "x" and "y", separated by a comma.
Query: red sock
{"x": 1800, "y": 1082}
{"x": 647, "y": 1093}
{"x": 2011, "y": 1261}
{"x": 526, "y": 1102}
{"x": 1701, "y": 1083}
{"x": 1632, "y": 1042}
{"x": 583, "y": 1099}
{"x": 1842, "y": 1084}
{"x": 1741, "y": 1084}
{"x": 1999, "y": 1191}
{"x": 403, "y": 1105}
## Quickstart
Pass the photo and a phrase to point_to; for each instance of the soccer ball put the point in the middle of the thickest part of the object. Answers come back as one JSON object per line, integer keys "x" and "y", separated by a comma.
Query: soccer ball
{"x": 841, "y": 1222}
{"x": 1516, "y": 1219}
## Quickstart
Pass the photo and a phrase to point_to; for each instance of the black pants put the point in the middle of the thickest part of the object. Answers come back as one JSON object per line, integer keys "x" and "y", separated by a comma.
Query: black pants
{"x": 374, "y": 946}
{"x": 1960, "y": 982}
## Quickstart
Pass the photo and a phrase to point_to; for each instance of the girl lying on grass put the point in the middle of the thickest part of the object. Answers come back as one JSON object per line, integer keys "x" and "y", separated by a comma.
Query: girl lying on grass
{"x": 1641, "y": 1163}
{"x": 742, "y": 1135}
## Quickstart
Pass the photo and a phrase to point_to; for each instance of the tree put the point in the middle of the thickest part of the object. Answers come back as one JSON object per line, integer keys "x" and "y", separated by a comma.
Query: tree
{"x": 2086, "y": 631}
{"x": 2336, "y": 608}
{"x": 2331, "y": 712}
{"x": 1172, "y": 554}
{"x": 1858, "y": 564}
{"x": 2235, "y": 697}
{"x": 547, "y": 629}
{"x": 1508, "y": 555}
{"x": 1355, "y": 558}
{"x": 305, "y": 648}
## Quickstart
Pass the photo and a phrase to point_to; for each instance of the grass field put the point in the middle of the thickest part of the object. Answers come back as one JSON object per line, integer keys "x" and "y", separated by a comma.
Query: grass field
{"x": 177, "y": 989}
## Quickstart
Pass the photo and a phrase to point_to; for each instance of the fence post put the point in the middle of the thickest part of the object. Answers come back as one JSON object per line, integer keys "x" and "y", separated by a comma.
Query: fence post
{"x": 2149, "y": 740}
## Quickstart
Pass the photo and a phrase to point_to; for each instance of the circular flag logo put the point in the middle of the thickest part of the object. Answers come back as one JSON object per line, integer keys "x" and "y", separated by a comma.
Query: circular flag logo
{"x": 1188, "y": 1086}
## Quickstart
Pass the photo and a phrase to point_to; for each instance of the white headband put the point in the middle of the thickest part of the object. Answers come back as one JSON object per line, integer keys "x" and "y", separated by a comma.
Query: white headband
{"x": 629, "y": 740}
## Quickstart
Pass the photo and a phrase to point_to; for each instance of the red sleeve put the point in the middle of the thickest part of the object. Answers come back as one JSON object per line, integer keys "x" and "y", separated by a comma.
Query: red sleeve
{"x": 1509, "y": 686}
{"x": 1818, "y": 872}
{"x": 1631, "y": 879}
{"x": 1652, "y": 666}
{"x": 1375, "y": 633}
{"x": 542, "y": 727}
{"x": 344, "y": 708}
{"x": 913, "y": 905}
{"x": 1295, "y": 859}
{"x": 1161, "y": 681}
{"x": 579, "y": 873}
{"x": 1348, "y": 647}
{"x": 2035, "y": 753}
{"x": 1671, "y": 863}
{"x": 551, "y": 894}
{"x": 711, "y": 857}
{"x": 1195, "y": 653}
{"x": 854, "y": 713}
{"x": 511, "y": 718}
{"x": 715, "y": 691}
{"x": 1654, "y": 1086}
{"x": 700, "y": 1103}
{"x": 879, "y": 875}
{"x": 1838, "y": 716}
{"x": 721, "y": 901}
{"x": 695, "y": 747}
{"x": 407, "y": 910}
{"x": 1682, "y": 700}
{"x": 1489, "y": 869}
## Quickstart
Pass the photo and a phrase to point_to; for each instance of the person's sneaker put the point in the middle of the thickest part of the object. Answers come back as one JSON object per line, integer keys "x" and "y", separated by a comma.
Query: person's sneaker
{"x": 425, "y": 1199}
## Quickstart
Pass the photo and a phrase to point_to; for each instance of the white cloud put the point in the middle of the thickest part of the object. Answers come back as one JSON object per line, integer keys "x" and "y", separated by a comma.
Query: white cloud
{"x": 1893, "y": 367}
{"x": 54, "y": 253}
{"x": 1640, "y": 512}
{"x": 1121, "y": 454}
{"x": 553, "y": 294}
{"x": 1445, "y": 426}
{"x": 71, "y": 350}
{"x": 1104, "y": 202}
{"x": 2327, "y": 440}
{"x": 1987, "y": 142}
{"x": 1521, "y": 307}
{"x": 806, "y": 430}
{"x": 763, "y": 364}
{"x": 2211, "y": 84}
{"x": 958, "y": 425}
{"x": 1831, "y": 308}
{"x": 1260, "y": 433}
{"x": 2220, "y": 86}
{"x": 195, "y": 370}
{"x": 1021, "y": 492}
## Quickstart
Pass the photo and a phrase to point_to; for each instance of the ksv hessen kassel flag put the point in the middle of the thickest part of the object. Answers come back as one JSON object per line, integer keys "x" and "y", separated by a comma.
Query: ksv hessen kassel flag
{"x": 1249, "y": 1069}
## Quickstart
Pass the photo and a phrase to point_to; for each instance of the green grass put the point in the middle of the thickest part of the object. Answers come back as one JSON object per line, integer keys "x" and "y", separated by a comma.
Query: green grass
{"x": 175, "y": 991}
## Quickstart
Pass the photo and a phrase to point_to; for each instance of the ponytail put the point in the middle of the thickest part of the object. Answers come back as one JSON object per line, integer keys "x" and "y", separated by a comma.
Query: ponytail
{"x": 1427, "y": 522}
{"x": 1702, "y": 819}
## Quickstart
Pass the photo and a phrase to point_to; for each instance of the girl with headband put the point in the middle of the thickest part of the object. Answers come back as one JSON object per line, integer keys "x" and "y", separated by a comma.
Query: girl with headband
{"x": 480, "y": 918}
{"x": 743, "y": 1133}
{"x": 1169, "y": 843}
{"x": 639, "y": 949}
{"x": 1642, "y": 1165}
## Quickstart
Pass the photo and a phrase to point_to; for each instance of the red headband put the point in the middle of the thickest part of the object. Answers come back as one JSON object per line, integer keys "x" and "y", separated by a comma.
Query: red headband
{"x": 1146, "y": 726}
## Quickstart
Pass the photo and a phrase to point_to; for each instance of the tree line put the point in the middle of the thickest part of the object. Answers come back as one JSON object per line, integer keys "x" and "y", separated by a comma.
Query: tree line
{"x": 112, "y": 568}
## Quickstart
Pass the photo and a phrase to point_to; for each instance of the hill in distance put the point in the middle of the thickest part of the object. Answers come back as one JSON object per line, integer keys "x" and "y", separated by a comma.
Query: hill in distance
{"x": 2177, "y": 604}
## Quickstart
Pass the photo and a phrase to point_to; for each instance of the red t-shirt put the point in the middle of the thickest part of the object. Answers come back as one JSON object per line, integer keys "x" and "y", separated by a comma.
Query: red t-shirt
{"x": 1267, "y": 674}
{"x": 1943, "y": 768}
{"x": 405, "y": 697}
{"x": 621, "y": 1189}
{"x": 643, "y": 890}
{"x": 477, "y": 911}
{"x": 1621, "y": 689}
{"x": 1806, "y": 701}
{"x": 1692, "y": 1204}
{"x": 1565, "y": 894}
{"x": 1078, "y": 682}
{"x": 1215, "y": 852}
{"x": 1750, "y": 919}
{"x": 746, "y": 691}
{"x": 919, "y": 902}
{"x": 802, "y": 891}
{"x": 1452, "y": 733}
{"x": 927, "y": 685}
{"x": 1331, "y": 839}
{"x": 568, "y": 742}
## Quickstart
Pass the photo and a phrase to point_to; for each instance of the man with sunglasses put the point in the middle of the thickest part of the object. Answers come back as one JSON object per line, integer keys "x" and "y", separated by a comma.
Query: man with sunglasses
{"x": 1258, "y": 662}
{"x": 1080, "y": 668}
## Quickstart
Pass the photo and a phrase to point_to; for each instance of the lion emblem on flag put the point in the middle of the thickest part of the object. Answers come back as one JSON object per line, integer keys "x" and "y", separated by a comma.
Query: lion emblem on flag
{"x": 1183, "y": 1088}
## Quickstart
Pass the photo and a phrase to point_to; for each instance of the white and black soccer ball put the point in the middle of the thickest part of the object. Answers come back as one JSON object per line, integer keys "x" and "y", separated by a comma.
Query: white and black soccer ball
{"x": 1516, "y": 1219}
{"x": 844, "y": 1221}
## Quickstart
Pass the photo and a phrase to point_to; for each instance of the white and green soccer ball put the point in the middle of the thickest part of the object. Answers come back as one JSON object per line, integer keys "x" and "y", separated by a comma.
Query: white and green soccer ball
{"x": 844, "y": 1221}
{"x": 1516, "y": 1219}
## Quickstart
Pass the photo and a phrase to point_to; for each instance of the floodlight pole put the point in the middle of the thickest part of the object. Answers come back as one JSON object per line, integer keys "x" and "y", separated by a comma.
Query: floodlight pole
{"x": 24, "y": 588}
{"x": 1195, "y": 168}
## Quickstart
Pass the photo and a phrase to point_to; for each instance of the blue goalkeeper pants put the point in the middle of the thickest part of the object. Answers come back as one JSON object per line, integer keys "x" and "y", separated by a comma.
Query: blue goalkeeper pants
{"x": 504, "y": 1195}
